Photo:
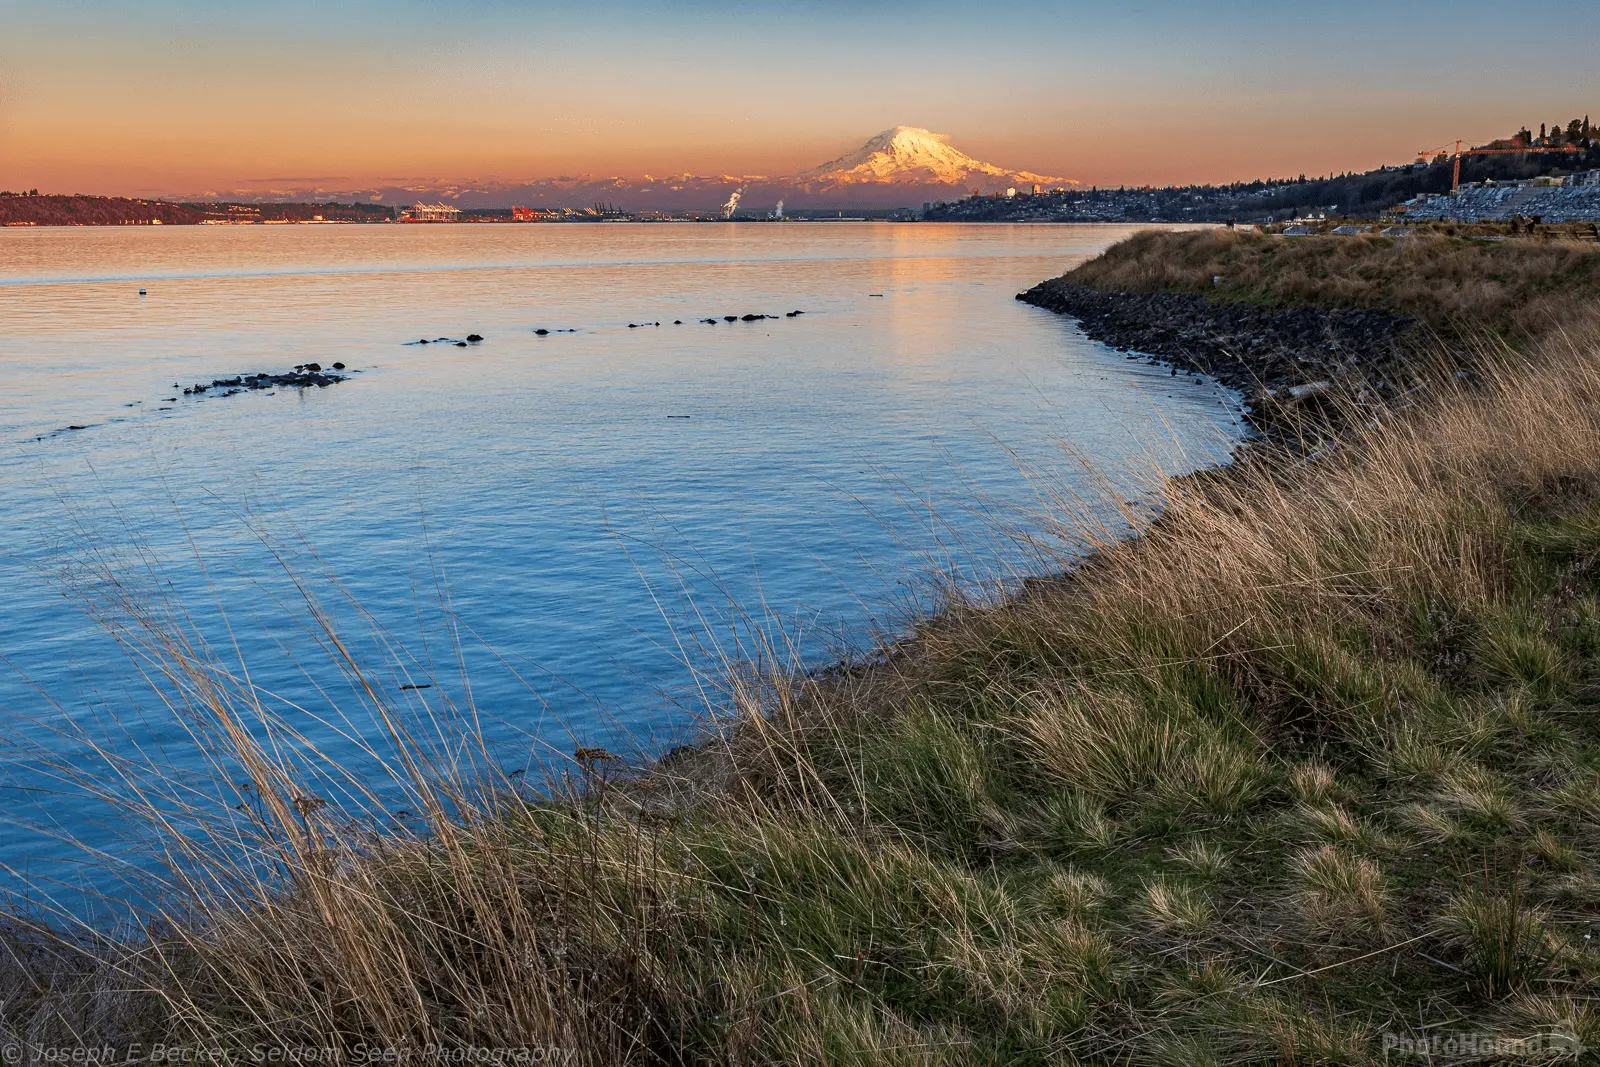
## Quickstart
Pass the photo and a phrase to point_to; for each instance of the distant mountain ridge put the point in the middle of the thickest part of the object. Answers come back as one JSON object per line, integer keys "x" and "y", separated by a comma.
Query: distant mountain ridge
{"x": 899, "y": 168}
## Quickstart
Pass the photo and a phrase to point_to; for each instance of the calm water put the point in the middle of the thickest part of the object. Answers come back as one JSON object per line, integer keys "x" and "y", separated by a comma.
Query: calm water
{"x": 572, "y": 523}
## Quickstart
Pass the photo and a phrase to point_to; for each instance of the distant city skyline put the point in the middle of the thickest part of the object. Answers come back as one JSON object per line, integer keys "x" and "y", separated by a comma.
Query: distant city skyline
{"x": 180, "y": 97}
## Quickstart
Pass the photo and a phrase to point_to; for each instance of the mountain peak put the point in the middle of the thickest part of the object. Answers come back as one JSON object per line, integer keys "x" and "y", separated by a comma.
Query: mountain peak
{"x": 911, "y": 155}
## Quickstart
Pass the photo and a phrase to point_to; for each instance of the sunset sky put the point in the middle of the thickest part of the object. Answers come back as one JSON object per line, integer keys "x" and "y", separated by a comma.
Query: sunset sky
{"x": 189, "y": 96}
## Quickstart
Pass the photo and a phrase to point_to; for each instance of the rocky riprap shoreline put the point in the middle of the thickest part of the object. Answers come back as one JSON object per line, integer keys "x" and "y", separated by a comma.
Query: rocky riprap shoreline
{"x": 1284, "y": 361}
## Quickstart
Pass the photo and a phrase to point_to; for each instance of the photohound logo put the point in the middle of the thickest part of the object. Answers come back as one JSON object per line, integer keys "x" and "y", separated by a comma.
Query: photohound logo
{"x": 1467, "y": 1046}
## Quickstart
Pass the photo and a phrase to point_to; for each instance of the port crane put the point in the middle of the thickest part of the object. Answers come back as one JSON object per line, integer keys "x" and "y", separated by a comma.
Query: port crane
{"x": 1455, "y": 174}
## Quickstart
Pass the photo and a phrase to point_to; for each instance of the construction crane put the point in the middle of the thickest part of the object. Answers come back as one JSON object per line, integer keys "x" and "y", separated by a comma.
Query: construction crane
{"x": 1455, "y": 174}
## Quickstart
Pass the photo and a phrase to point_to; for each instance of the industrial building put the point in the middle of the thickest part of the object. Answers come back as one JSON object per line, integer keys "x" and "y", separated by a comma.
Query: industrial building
{"x": 421, "y": 212}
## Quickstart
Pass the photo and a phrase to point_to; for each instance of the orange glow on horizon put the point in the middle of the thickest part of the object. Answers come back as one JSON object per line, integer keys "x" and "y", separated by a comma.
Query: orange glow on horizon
{"x": 184, "y": 99}
{"x": 115, "y": 159}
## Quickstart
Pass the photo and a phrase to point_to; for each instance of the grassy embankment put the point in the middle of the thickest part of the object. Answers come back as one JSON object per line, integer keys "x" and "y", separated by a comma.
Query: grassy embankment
{"x": 1518, "y": 289}
{"x": 1315, "y": 760}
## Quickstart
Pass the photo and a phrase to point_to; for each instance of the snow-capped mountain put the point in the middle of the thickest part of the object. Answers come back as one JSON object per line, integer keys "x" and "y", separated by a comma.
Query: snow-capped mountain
{"x": 899, "y": 168}
{"x": 910, "y": 155}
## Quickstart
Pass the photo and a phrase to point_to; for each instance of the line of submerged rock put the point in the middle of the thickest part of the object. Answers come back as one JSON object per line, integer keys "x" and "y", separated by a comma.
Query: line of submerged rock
{"x": 315, "y": 376}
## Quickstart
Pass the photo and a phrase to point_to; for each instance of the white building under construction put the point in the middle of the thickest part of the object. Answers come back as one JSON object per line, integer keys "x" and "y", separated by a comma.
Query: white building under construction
{"x": 1566, "y": 198}
{"x": 421, "y": 212}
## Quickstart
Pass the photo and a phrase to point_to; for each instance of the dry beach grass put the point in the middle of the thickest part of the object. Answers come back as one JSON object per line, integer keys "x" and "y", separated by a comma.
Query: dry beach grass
{"x": 1314, "y": 760}
{"x": 1520, "y": 289}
